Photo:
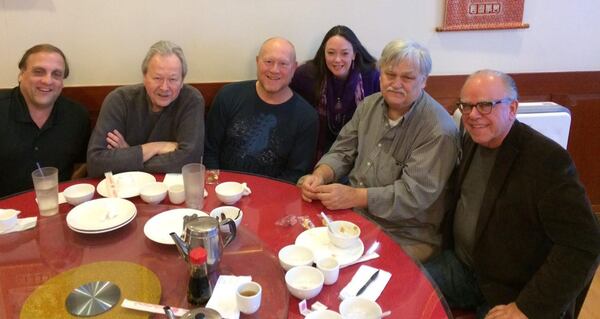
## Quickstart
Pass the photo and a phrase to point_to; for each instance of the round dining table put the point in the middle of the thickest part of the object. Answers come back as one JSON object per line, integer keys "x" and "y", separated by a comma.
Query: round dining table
{"x": 272, "y": 219}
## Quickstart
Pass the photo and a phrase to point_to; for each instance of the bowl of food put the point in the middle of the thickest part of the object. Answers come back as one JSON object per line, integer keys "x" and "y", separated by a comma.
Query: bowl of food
{"x": 343, "y": 234}
{"x": 79, "y": 193}
{"x": 153, "y": 193}
{"x": 304, "y": 282}
{"x": 294, "y": 255}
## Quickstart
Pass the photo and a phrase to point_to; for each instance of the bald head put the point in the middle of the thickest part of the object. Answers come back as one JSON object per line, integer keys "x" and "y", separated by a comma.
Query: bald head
{"x": 278, "y": 43}
{"x": 507, "y": 82}
{"x": 275, "y": 66}
{"x": 491, "y": 97}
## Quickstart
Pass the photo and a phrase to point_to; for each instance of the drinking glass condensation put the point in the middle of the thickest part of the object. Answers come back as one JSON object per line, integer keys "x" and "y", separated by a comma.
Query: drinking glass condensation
{"x": 193, "y": 182}
{"x": 45, "y": 182}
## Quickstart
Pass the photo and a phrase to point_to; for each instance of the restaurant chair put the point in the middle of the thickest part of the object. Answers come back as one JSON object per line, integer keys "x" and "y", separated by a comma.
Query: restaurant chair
{"x": 79, "y": 171}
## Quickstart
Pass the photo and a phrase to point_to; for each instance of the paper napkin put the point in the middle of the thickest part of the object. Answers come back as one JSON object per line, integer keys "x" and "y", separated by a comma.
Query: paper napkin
{"x": 223, "y": 297}
{"x": 362, "y": 275}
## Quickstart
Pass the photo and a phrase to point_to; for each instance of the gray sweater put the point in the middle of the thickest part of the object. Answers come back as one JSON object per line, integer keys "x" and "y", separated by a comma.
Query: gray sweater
{"x": 128, "y": 110}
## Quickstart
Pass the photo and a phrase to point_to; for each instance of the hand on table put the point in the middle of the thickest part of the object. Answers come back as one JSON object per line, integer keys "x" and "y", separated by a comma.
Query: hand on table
{"x": 510, "y": 311}
{"x": 339, "y": 196}
{"x": 308, "y": 186}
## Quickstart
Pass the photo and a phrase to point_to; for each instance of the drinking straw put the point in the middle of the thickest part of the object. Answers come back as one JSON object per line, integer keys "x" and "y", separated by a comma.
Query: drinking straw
{"x": 39, "y": 168}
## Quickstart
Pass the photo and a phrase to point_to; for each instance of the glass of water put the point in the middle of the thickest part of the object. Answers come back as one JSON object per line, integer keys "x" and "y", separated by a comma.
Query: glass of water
{"x": 45, "y": 182}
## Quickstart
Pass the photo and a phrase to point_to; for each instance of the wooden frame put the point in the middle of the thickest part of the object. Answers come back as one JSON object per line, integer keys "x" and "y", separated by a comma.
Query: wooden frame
{"x": 464, "y": 15}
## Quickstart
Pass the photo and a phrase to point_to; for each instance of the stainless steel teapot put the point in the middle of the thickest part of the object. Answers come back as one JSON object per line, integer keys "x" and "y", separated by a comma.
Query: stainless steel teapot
{"x": 205, "y": 231}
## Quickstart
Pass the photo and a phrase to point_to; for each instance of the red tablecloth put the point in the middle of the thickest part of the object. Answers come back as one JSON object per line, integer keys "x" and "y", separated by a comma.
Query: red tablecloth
{"x": 51, "y": 245}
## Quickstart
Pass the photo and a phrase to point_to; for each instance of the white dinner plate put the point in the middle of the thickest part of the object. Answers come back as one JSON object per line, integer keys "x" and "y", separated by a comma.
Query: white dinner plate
{"x": 317, "y": 240}
{"x": 161, "y": 225}
{"x": 92, "y": 215}
{"x": 102, "y": 230}
{"x": 128, "y": 184}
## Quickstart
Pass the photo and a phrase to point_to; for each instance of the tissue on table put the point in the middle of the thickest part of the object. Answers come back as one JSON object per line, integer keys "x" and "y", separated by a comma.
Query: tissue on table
{"x": 223, "y": 297}
{"x": 362, "y": 275}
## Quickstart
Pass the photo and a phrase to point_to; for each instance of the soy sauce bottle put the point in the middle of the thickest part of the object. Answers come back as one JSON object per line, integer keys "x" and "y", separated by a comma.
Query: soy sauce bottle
{"x": 199, "y": 288}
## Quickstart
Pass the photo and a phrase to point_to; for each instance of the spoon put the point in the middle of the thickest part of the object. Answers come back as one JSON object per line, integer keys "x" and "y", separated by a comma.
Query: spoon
{"x": 328, "y": 221}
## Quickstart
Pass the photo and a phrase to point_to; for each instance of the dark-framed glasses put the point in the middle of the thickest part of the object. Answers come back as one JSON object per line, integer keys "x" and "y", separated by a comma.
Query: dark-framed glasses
{"x": 483, "y": 107}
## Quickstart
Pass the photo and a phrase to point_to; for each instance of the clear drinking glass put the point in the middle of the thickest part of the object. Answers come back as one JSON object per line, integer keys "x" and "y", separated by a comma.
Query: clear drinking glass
{"x": 193, "y": 182}
{"x": 45, "y": 182}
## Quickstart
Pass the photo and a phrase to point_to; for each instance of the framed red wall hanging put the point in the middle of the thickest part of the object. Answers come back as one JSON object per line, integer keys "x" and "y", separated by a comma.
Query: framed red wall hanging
{"x": 464, "y": 15}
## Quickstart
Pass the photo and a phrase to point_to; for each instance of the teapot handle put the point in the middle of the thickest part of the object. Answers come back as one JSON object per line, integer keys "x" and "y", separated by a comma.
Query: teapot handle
{"x": 232, "y": 231}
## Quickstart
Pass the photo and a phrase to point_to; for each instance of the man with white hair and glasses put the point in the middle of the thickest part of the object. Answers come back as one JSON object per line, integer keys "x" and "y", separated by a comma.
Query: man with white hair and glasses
{"x": 521, "y": 240}
{"x": 398, "y": 151}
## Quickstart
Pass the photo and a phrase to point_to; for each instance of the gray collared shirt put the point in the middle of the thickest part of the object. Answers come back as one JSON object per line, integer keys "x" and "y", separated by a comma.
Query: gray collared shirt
{"x": 404, "y": 168}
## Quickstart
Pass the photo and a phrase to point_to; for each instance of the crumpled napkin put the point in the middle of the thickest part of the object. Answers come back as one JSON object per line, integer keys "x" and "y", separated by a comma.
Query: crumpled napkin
{"x": 22, "y": 224}
{"x": 223, "y": 297}
{"x": 362, "y": 275}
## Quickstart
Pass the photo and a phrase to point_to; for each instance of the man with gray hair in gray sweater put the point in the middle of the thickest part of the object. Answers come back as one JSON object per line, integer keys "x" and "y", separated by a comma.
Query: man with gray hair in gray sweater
{"x": 156, "y": 126}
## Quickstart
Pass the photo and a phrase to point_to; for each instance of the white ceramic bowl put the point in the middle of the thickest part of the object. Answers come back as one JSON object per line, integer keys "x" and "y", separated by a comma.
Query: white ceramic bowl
{"x": 79, "y": 193}
{"x": 153, "y": 193}
{"x": 230, "y": 212}
{"x": 346, "y": 234}
{"x": 323, "y": 314}
{"x": 229, "y": 192}
{"x": 8, "y": 218}
{"x": 360, "y": 308}
{"x": 295, "y": 255}
{"x": 304, "y": 282}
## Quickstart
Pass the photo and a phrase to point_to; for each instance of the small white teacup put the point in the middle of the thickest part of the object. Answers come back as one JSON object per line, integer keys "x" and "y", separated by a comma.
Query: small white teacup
{"x": 176, "y": 194}
{"x": 230, "y": 192}
{"x": 330, "y": 268}
{"x": 8, "y": 219}
{"x": 248, "y": 297}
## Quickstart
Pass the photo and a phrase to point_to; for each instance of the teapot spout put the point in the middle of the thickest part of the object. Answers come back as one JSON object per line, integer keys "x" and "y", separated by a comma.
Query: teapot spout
{"x": 183, "y": 248}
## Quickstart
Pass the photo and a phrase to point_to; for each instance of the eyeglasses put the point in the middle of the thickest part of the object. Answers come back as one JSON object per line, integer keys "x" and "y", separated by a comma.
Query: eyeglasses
{"x": 484, "y": 107}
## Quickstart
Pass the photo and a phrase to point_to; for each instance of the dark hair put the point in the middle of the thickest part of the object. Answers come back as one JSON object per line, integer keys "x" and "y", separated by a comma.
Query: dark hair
{"x": 363, "y": 60}
{"x": 44, "y": 47}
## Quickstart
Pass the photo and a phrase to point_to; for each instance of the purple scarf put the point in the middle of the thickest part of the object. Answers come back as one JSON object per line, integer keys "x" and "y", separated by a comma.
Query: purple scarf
{"x": 337, "y": 105}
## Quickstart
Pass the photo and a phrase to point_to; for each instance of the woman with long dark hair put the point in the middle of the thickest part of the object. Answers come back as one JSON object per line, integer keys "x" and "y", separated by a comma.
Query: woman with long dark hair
{"x": 341, "y": 74}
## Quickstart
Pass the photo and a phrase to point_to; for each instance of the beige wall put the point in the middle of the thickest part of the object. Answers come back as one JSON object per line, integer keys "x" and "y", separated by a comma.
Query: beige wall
{"x": 105, "y": 40}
